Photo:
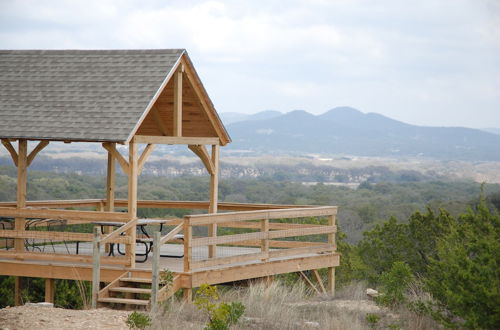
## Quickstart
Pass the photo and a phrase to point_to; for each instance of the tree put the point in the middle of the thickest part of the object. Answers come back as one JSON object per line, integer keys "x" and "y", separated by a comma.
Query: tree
{"x": 464, "y": 276}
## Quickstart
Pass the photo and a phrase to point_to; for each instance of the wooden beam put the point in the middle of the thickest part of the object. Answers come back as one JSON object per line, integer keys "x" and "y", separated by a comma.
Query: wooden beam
{"x": 202, "y": 152}
{"x": 188, "y": 237}
{"x": 205, "y": 219}
{"x": 177, "y": 124}
{"x": 111, "y": 237}
{"x": 63, "y": 214}
{"x": 110, "y": 183}
{"x": 132, "y": 199}
{"x": 308, "y": 281}
{"x": 144, "y": 156}
{"x": 40, "y": 146}
{"x": 196, "y": 85}
{"x": 18, "y": 287}
{"x": 22, "y": 177}
{"x": 159, "y": 121}
{"x": 214, "y": 198}
{"x": 51, "y": 258}
{"x": 254, "y": 270}
{"x": 49, "y": 290}
{"x": 331, "y": 270}
{"x": 13, "y": 154}
{"x": 111, "y": 147}
{"x": 319, "y": 280}
{"x": 175, "y": 139}
{"x": 60, "y": 236}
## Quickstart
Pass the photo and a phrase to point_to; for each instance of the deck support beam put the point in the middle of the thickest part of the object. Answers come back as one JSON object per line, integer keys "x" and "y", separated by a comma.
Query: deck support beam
{"x": 49, "y": 290}
{"x": 18, "y": 287}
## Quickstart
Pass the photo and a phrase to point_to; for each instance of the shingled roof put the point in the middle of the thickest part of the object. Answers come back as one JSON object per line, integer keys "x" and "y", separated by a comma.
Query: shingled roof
{"x": 87, "y": 95}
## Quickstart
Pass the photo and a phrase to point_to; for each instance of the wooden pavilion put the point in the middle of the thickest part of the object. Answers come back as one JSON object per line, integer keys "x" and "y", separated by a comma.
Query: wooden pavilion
{"x": 137, "y": 98}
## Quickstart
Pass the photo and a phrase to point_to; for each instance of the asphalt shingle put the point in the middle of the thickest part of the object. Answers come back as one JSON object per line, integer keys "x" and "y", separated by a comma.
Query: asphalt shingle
{"x": 79, "y": 95}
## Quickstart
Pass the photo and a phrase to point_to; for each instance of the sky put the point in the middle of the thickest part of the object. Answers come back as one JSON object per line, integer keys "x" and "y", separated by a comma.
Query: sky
{"x": 425, "y": 62}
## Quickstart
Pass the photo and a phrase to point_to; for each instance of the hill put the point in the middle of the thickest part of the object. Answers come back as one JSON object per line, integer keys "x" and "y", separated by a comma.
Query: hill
{"x": 345, "y": 130}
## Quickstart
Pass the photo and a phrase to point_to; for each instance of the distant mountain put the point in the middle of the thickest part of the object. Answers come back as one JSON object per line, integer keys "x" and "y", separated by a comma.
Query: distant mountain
{"x": 234, "y": 117}
{"x": 345, "y": 130}
{"x": 493, "y": 130}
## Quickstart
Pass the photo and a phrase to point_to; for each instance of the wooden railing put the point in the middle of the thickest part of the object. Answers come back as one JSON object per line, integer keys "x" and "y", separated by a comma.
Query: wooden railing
{"x": 65, "y": 216}
{"x": 266, "y": 234}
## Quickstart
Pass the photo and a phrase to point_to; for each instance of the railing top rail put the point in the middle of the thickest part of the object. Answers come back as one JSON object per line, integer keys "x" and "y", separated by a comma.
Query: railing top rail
{"x": 213, "y": 218}
{"x": 63, "y": 214}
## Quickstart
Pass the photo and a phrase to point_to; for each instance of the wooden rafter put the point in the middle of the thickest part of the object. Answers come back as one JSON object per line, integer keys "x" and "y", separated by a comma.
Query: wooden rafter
{"x": 41, "y": 145}
{"x": 11, "y": 150}
{"x": 144, "y": 156}
{"x": 195, "y": 84}
{"x": 202, "y": 152}
{"x": 159, "y": 122}
{"x": 111, "y": 147}
{"x": 175, "y": 139}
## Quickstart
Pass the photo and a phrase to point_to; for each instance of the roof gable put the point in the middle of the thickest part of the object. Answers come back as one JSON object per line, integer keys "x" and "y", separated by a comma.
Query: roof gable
{"x": 85, "y": 95}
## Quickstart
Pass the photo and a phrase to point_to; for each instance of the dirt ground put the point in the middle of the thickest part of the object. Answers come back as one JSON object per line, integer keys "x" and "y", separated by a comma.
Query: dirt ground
{"x": 45, "y": 318}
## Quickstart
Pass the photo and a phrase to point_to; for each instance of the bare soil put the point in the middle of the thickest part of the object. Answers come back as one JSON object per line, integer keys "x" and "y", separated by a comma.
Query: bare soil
{"x": 37, "y": 317}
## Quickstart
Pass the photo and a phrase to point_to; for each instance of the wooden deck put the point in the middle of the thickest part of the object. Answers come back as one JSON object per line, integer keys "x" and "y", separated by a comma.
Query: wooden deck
{"x": 245, "y": 245}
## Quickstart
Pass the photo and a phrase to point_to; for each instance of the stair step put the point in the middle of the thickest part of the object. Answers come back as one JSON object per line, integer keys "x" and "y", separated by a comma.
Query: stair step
{"x": 124, "y": 301}
{"x": 136, "y": 280}
{"x": 130, "y": 290}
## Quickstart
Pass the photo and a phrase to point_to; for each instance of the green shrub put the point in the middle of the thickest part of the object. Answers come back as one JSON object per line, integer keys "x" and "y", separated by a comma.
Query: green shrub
{"x": 138, "y": 320}
{"x": 395, "y": 284}
{"x": 221, "y": 315}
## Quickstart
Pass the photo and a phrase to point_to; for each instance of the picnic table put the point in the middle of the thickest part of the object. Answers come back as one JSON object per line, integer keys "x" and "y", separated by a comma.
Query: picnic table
{"x": 145, "y": 239}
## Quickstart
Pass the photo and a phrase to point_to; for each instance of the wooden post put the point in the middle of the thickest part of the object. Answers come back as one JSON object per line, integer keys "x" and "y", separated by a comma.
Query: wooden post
{"x": 214, "y": 198}
{"x": 49, "y": 290}
{"x": 331, "y": 270}
{"x": 155, "y": 270}
{"x": 132, "y": 200}
{"x": 96, "y": 266}
{"x": 264, "y": 244}
{"x": 110, "y": 190}
{"x": 110, "y": 183}
{"x": 177, "y": 125}
{"x": 22, "y": 177}
{"x": 18, "y": 287}
{"x": 188, "y": 236}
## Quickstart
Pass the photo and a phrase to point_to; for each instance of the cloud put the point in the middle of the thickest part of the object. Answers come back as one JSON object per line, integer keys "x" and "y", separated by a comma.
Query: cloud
{"x": 413, "y": 61}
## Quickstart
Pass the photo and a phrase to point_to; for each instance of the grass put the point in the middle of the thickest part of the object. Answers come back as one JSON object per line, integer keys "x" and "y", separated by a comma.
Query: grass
{"x": 277, "y": 306}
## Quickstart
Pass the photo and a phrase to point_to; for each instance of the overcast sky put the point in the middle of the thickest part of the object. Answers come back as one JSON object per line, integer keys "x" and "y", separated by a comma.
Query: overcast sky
{"x": 427, "y": 62}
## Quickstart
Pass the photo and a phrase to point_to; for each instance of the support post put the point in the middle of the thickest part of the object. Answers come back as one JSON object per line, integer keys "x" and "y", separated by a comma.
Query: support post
{"x": 49, "y": 290}
{"x": 22, "y": 177}
{"x": 177, "y": 126}
{"x": 155, "y": 285}
{"x": 331, "y": 270}
{"x": 18, "y": 287}
{"x": 188, "y": 236}
{"x": 132, "y": 200}
{"x": 110, "y": 190}
{"x": 214, "y": 198}
{"x": 264, "y": 244}
{"x": 96, "y": 266}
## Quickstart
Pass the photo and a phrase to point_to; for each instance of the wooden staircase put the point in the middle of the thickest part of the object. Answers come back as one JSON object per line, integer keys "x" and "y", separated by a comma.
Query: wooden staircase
{"x": 128, "y": 291}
